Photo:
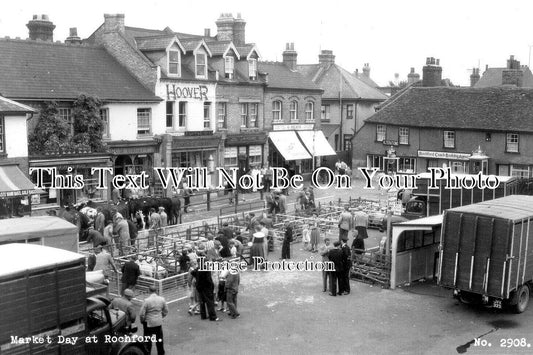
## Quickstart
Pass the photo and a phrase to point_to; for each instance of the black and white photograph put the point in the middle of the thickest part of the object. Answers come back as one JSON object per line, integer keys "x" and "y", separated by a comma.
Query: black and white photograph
{"x": 280, "y": 177}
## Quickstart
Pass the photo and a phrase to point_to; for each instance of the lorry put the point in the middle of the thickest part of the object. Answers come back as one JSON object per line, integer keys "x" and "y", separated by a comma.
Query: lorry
{"x": 46, "y": 308}
{"x": 427, "y": 201}
{"x": 486, "y": 251}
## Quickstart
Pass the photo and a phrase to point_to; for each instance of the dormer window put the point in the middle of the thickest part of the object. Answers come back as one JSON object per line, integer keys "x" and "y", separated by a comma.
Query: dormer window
{"x": 229, "y": 67}
{"x": 252, "y": 68}
{"x": 174, "y": 63}
{"x": 201, "y": 65}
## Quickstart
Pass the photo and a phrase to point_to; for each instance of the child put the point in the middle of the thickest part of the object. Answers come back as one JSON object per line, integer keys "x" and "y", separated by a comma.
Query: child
{"x": 306, "y": 237}
{"x": 232, "y": 249}
{"x": 221, "y": 295}
{"x": 193, "y": 293}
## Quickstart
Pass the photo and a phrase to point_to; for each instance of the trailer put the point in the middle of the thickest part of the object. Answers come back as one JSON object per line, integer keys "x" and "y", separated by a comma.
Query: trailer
{"x": 486, "y": 251}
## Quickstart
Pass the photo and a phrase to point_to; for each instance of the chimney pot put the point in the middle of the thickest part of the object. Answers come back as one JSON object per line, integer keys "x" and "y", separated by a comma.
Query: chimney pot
{"x": 207, "y": 32}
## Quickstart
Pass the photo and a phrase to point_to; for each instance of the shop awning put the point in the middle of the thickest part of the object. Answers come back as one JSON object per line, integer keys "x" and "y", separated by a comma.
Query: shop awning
{"x": 316, "y": 143}
{"x": 288, "y": 144}
{"x": 14, "y": 183}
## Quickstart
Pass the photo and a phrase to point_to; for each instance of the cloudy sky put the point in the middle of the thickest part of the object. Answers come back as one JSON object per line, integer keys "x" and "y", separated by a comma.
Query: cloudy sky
{"x": 391, "y": 35}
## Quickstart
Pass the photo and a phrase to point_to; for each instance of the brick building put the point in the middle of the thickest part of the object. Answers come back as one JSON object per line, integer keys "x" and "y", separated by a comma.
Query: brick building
{"x": 512, "y": 74}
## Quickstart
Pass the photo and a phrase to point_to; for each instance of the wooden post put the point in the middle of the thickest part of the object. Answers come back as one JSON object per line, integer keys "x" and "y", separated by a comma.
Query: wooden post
{"x": 208, "y": 201}
{"x": 389, "y": 233}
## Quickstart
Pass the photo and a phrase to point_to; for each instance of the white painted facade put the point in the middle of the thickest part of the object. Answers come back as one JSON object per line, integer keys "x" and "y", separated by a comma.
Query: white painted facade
{"x": 123, "y": 120}
{"x": 16, "y": 136}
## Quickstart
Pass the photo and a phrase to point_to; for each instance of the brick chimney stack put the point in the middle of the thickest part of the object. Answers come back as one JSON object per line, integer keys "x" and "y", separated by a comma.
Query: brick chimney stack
{"x": 366, "y": 70}
{"x": 412, "y": 77}
{"x": 432, "y": 73}
{"x": 239, "y": 31}
{"x": 41, "y": 28}
{"x": 225, "y": 27}
{"x": 474, "y": 77}
{"x": 514, "y": 74}
{"x": 114, "y": 23}
{"x": 73, "y": 37}
{"x": 290, "y": 56}
{"x": 326, "y": 57}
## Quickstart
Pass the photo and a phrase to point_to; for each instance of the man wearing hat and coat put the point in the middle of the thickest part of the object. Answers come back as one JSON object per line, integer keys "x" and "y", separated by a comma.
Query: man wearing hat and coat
{"x": 125, "y": 305}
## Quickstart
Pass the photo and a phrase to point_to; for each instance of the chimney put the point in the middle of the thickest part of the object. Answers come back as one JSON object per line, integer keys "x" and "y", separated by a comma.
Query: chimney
{"x": 73, "y": 36}
{"x": 225, "y": 27}
{"x": 207, "y": 32}
{"x": 326, "y": 57}
{"x": 41, "y": 28}
{"x": 366, "y": 70}
{"x": 113, "y": 23}
{"x": 512, "y": 77}
{"x": 290, "y": 56}
{"x": 431, "y": 73}
{"x": 239, "y": 32}
{"x": 474, "y": 77}
{"x": 412, "y": 77}
{"x": 513, "y": 63}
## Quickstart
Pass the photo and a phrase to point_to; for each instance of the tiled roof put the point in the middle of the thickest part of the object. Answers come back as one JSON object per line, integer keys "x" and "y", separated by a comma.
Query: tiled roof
{"x": 190, "y": 44}
{"x": 154, "y": 43}
{"x": 497, "y": 108}
{"x": 43, "y": 70}
{"x": 245, "y": 50}
{"x": 218, "y": 47}
{"x": 493, "y": 77}
{"x": 279, "y": 76}
{"x": 9, "y": 106}
{"x": 333, "y": 77}
{"x": 365, "y": 79}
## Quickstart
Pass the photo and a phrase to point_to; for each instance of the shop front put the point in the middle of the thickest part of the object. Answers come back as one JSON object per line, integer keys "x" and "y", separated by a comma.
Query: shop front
{"x": 16, "y": 192}
{"x": 245, "y": 151}
{"x": 459, "y": 163}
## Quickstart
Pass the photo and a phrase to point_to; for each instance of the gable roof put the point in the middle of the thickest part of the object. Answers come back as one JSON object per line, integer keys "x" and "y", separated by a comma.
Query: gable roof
{"x": 157, "y": 43}
{"x": 488, "y": 109}
{"x": 8, "y": 106}
{"x": 365, "y": 79}
{"x": 52, "y": 71}
{"x": 333, "y": 78}
{"x": 493, "y": 77}
{"x": 281, "y": 77}
{"x": 222, "y": 47}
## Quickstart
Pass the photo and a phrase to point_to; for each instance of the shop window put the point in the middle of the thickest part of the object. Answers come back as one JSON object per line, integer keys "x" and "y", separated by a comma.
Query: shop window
{"x": 374, "y": 161}
{"x": 252, "y": 68}
{"x": 255, "y": 156}
{"x": 324, "y": 112}
{"x": 66, "y": 115}
{"x": 229, "y": 67}
{"x": 174, "y": 63}
{"x": 381, "y": 132}
{"x": 512, "y": 143}
{"x": 252, "y": 108}
{"x": 244, "y": 115}
{"x": 207, "y": 115}
{"x": 293, "y": 111}
{"x": 348, "y": 142}
{"x": 144, "y": 121}
{"x": 449, "y": 139}
{"x": 170, "y": 114}
{"x": 309, "y": 111}
{"x": 276, "y": 111}
{"x": 520, "y": 171}
{"x": 458, "y": 167}
{"x": 230, "y": 157}
{"x": 432, "y": 163}
{"x": 349, "y": 111}
{"x": 403, "y": 135}
{"x": 104, "y": 116}
{"x": 2, "y": 135}
{"x": 407, "y": 165}
{"x": 201, "y": 65}
{"x": 221, "y": 115}
{"x": 182, "y": 114}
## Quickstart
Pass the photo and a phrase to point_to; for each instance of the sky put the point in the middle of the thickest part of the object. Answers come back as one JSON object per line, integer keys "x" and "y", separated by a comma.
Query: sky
{"x": 392, "y": 36}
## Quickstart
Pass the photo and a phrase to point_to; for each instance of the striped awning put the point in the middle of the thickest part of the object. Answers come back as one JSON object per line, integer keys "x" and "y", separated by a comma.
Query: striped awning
{"x": 13, "y": 182}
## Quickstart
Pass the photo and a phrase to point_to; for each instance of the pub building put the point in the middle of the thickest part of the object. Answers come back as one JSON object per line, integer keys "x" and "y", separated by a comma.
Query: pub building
{"x": 61, "y": 72}
{"x": 468, "y": 130}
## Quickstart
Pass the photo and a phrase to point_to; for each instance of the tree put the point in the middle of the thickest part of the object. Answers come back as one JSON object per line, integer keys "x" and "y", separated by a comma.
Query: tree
{"x": 88, "y": 125}
{"x": 52, "y": 133}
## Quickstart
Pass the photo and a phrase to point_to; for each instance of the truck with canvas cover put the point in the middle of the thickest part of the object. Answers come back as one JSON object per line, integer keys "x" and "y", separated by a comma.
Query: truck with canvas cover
{"x": 486, "y": 251}
{"x": 45, "y": 308}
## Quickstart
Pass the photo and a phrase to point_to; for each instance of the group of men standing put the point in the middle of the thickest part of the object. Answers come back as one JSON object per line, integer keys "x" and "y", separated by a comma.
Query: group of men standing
{"x": 339, "y": 280}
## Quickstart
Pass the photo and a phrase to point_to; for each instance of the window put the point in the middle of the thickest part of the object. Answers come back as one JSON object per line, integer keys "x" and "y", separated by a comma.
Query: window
{"x": 347, "y": 142}
{"x": 252, "y": 69}
{"x": 2, "y": 136}
{"x": 221, "y": 115}
{"x": 276, "y": 111}
{"x": 374, "y": 161}
{"x": 207, "y": 115}
{"x": 230, "y": 157}
{"x": 381, "y": 132}
{"x": 66, "y": 114}
{"x": 201, "y": 65}
{"x": 512, "y": 143}
{"x": 520, "y": 171}
{"x": 349, "y": 111}
{"x": 309, "y": 111}
{"x": 182, "y": 114}
{"x": 144, "y": 121}
{"x": 174, "y": 62}
{"x": 255, "y": 155}
{"x": 229, "y": 66}
{"x": 293, "y": 111}
{"x": 407, "y": 165}
{"x": 403, "y": 135}
{"x": 252, "y": 110}
{"x": 449, "y": 139}
{"x": 488, "y": 137}
{"x": 170, "y": 114}
{"x": 244, "y": 115}
{"x": 104, "y": 116}
{"x": 324, "y": 112}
